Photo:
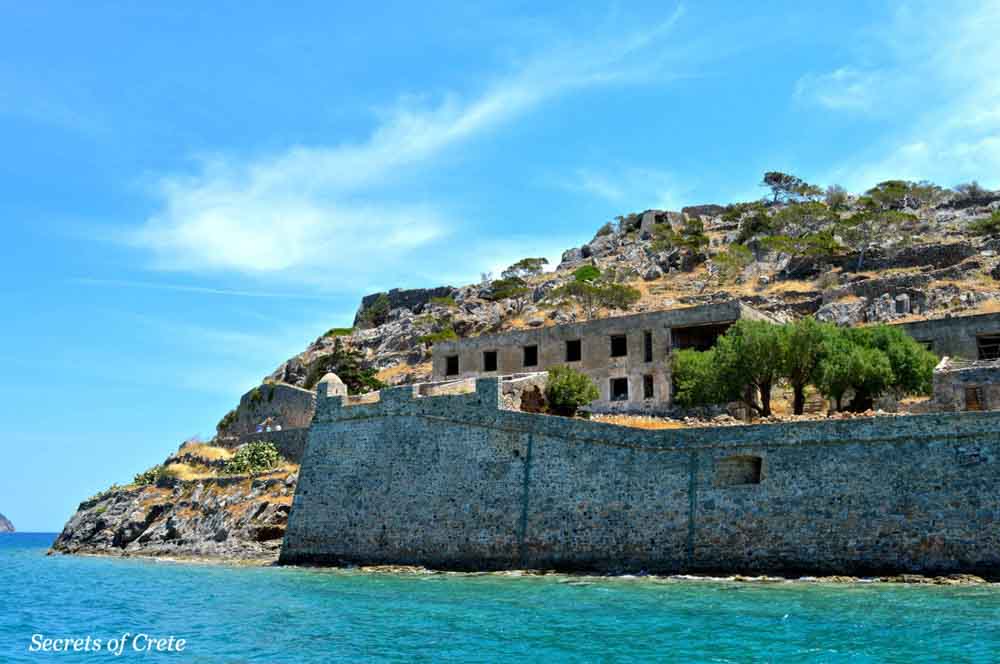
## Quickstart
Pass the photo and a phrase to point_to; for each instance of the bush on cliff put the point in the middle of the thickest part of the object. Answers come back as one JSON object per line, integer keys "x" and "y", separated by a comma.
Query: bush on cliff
{"x": 344, "y": 361}
{"x": 568, "y": 389}
{"x": 149, "y": 476}
{"x": 256, "y": 457}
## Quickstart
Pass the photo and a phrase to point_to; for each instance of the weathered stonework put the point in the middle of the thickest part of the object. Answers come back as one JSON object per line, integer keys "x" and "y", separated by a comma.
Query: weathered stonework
{"x": 645, "y": 366}
{"x": 956, "y": 336}
{"x": 966, "y": 385}
{"x": 455, "y": 481}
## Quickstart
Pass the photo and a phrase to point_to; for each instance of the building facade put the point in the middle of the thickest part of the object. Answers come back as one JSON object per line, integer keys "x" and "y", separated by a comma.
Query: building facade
{"x": 627, "y": 357}
{"x": 975, "y": 337}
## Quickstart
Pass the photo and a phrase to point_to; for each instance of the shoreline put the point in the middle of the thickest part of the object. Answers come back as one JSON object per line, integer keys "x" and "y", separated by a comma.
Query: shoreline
{"x": 955, "y": 579}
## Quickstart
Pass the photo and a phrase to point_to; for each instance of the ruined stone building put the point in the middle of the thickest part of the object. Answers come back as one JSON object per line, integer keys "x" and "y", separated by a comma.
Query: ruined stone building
{"x": 627, "y": 357}
{"x": 975, "y": 337}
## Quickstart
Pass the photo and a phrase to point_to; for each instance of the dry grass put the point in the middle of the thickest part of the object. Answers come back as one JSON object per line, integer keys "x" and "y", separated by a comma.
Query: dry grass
{"x": 397, "y": 371}
{"x": 187, "y": 471}
{"x": 207, "y": 452}
{"x": 639, "y": 421}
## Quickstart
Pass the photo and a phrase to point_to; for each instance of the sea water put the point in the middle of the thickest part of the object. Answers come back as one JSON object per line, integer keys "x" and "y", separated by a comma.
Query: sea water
{"x": 273, "y": 614}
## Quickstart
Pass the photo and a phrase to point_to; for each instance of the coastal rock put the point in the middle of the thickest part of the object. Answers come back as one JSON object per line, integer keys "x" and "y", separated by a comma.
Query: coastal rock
{"x": 5, "y": 525}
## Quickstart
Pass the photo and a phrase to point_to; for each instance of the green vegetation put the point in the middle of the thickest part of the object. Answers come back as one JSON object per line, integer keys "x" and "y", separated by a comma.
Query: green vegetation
{"x": 227, "y": 421}
{"x": 691, "y": 236}
{"x": 339, "y": 332}
{"x": 568, "y": 389}
{"x": 255, "y": 396}
{"x": 586, "y": 273}
{"x": 733, "y": 261}
{"x": 836, "y": 197}
{"x": 445, "y": 334}
{"x": 606, "y": 229}
{"x": 255, "y": 457}
{"x": 787, "y": 187}
{"x": 753, "y": 356}
{"x": 900, "y": 194}
{"x": 987, "y": 226}
{"x": 444, "y": 301}
{"x": 150, "y": 476}
{"x": 377, "y": 313}
{"x": 344, "y": 361}
{"x": 524, "y": 268}
{"x": 861, "y": 230}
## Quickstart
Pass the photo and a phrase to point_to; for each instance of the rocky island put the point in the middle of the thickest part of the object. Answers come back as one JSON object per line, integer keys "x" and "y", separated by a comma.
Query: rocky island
{"x": 902, "y": 252}
{"x": 5, "y": 525}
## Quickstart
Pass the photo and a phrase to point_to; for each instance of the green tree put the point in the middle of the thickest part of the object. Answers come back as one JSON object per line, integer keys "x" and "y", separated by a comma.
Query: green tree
{"x": 696, "y": 379}
{"x": 524, "y": 268}
{"x": 836, "y": 197}
{"x": 860, "y": 231}
{"x": 912, "y": 365}
{"x": 749, "y": 360}
{"x": 802, "y": 344}
{"x": 785, "y": 186}
{"x": 586, "y": 273}
{"x": 346, "y": 362}
{"x": 568, "y": 389}
{"x": 591, "y": 296}
{"x": 511, "y": 288}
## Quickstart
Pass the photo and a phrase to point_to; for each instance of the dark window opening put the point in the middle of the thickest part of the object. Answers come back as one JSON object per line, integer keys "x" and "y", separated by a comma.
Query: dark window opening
{"x": 738, "y": 470}
{"x": 647, "y": 345}
{"x": 927, "y": 343}
{"x": 489, "y": 360}
{"x": 974, "y": 398}
{"x": 647, "y": 387}
{"x": 697, "y": 337}
{"x": 531, "y": 356}
{"x": 451, "y": 365}
{"x": 619, "y": 389}
{"x": 574, "y": 350}
{"x": 619, "y": 345}
{"x": 989, "y": 346}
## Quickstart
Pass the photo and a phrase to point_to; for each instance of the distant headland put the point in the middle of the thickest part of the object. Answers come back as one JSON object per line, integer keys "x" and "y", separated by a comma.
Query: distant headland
{"x": 5, "y": 525}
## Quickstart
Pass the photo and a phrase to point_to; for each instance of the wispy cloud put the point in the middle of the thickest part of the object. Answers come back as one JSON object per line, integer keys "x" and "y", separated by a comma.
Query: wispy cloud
{"x": 939, "y": 92}
{"x": 633, "y": 187}
{"x": 329, "y": 213}
{"x": 183, "y": 288}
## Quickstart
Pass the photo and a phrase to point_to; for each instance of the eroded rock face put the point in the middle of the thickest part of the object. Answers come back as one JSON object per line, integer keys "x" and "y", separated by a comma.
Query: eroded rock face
{"x": 5, "y": 525}
{"x": 233, "y": 518}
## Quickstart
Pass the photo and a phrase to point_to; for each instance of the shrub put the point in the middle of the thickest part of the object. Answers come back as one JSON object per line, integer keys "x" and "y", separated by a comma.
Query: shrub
{"x": 344, "y": 361}
{"x": 444, "y": 301}
{"x": 227, "y": 421}
{"x": 568, "y": 389}
{"x": 836, "y": 197}
{"x": 446, "y": 334}
{"x": 256, "y": 457}
{"x": 733, "y": 261}
{"x": 987, "y": 226}
{"x": 606, "y": 229}
{"x": 586, "y": 273}
{"x": 695, "y": 378}
{"x": 524, "y": 268}
{"x": 339, "y": 332}
{"x": 150, "y": 476}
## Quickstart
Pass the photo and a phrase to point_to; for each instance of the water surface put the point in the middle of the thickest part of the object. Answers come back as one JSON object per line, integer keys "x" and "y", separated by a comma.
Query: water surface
{"x": 234, "y": 614}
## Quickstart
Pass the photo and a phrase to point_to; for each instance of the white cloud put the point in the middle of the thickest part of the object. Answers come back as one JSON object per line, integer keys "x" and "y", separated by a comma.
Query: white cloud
{"x": 635, "y": 188}
{"x": 939, "y": 92}
{"x": 329, "y": 213}
{"x": 841, "y": 89}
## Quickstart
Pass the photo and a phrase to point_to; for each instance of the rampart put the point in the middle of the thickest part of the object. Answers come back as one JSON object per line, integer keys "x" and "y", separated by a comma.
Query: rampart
{"x": 455, "y": 481}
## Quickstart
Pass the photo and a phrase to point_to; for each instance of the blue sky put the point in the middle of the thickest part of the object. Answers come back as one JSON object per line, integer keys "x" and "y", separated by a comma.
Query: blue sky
{"x": 191, "y": 192}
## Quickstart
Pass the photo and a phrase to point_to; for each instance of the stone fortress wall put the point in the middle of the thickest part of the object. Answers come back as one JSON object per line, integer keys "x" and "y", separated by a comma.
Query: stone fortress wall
{"x": 631, "y": 377}
{"x": 444, "y": 476}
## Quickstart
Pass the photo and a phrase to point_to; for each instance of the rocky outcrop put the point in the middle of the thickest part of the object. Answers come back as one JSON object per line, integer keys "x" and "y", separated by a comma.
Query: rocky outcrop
{"x": 231, "y": 518}
{"x": 5, "y": 525}
{"x": 411, "y": 298}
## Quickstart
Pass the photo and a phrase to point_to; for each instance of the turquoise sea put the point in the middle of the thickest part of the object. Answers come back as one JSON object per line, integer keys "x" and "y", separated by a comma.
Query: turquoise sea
{"x": 234, "y": 614}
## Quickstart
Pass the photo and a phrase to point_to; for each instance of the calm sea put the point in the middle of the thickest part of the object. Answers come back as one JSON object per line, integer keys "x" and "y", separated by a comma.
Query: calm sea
{"x": 232, "y": 614}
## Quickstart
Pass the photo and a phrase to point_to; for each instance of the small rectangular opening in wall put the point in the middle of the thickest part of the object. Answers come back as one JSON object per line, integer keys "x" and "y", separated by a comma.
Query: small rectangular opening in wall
{"x": 531, "y": 356}
{"x": 489, "y": 360}
{"x": 451, "y": 365}
{"x": 974, "y": 398}
{"x": 927, "y": 343}
{"x": 619, "y": 345}
{"x": 989, "y": 346}
{"x": 738, "y": 470}
{"x": 619, "y": 389}
{"x": 697, "y": 337}
{"x": 574, "y": 350}
{"x": 647, "y": 345}
{"x": 647, "y": 386}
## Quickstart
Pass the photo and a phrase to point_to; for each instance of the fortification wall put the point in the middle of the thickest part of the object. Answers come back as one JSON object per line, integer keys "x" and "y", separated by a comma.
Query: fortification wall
{"x": 456, "y": 482}
{"x": 291, "y": 443}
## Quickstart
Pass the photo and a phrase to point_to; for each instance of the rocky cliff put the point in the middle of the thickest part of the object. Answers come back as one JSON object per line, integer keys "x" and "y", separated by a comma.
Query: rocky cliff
{"x": 5, "y": 525}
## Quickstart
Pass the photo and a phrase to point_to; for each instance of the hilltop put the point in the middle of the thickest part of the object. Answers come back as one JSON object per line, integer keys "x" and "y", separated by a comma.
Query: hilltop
{"x": 900, "y": 251}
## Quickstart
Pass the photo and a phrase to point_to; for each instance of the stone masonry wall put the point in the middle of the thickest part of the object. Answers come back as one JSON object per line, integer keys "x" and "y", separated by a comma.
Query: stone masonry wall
{"x": 457, "y": 482}
{"x": 954, "y": 336}
{"x": 290, "y": 406}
